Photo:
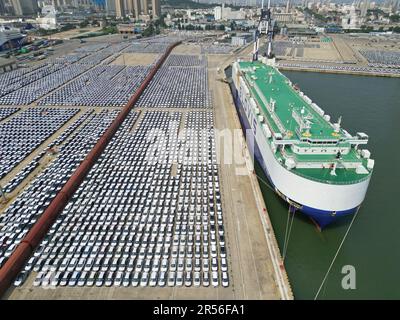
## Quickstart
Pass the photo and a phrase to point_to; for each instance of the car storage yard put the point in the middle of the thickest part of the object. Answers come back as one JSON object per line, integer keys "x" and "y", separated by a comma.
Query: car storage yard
{"x": 156, "y": 217}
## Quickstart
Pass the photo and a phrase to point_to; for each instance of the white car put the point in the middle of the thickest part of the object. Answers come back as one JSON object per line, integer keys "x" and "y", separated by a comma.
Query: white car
{"x": 214, "y": 279}
{"x": 224, "y": 265}
{"x": 214, "y": 264}
{"x": 171, "y": 279}
{"x": 64, "y": 279}
{"x": 20, "y": 279}
{"x": 72, "y": 264}
{"x": 145, "y": 279}
{"x": 127, "y": 280}
{"x": 74, "y": 279}
{"x": 91, "y": 279}
{"x": 188, "y": 265}
{"x": 136, "y": 279}
{"x": 88, "y": 265}
{"x": 47, "y": 278}
{"x": 172, "y": 265}
{"x": 100, "y": 279}
{"x": 109, "y": 279}
{"x": 196, "y": 279}
{"x": 29, "y": 264}
{"x": 153, "y": 279}
{"x": 225, "y": 279}
{"x": 118, "y": 279}
{"x": 164, "y": 265}
{"x": 179, "y": 279}
{"x": 206, "y": 279}
{"x": 82, "y": 279}
{"x": 162, "y": 279}
{"x": 213, "y": 251}
{"x": 188, "y": 279}
{"x": 56, "y": 279}
{"x": 180, "y": 264}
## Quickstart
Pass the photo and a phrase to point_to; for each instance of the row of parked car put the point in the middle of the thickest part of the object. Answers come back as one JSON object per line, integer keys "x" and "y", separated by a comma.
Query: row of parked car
{"x": 102, "y": 86}
{"x": 368, "y": 69}
{"x": 34, "y": 90}
{"x": 20, "y": 216}
{"x": 35, "y": 162}
{"x": 18, "y": 78}
{"x": 26, "y": 85}
{"x": 5, "y": 112}
{"x": 382, "y": 57}
{"x": 134, "y": 222}
{"x": 26, "y": 131}
{"x": 117, "y": 279}
{"x": 178, "y": 87}
{"x": 180, "y": 60}
{"x": 147, "y": 47}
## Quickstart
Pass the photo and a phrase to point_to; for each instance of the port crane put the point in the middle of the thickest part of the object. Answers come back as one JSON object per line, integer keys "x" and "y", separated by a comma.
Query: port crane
{"x": 265, "y": 24}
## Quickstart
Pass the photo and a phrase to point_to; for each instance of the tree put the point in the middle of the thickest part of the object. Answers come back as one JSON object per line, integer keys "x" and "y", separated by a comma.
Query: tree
{"x": 396, "y": 29}
{"x": 394, "y": 18}
{"x": 149, "y": 31}
{"x": 67, "y": 27}
{"x": 84, "y": 23}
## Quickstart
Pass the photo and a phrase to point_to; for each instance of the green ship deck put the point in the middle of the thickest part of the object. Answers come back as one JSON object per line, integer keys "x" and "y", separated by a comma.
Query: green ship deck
{"x": 273, "y": 84}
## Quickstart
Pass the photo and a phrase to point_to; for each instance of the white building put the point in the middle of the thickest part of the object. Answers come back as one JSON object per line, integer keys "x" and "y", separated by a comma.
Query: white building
{"x": 238, "y": 41}
{"x": 217, "y": 13}
{"x": 48, "y": 20}
{"x": 351, "y": 20}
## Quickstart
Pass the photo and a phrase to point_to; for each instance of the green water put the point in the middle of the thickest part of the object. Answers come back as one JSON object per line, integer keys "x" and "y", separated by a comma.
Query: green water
{"x": 370, "y": 105}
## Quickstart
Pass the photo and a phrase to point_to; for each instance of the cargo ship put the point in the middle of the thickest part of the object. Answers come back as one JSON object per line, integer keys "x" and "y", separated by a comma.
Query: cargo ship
{"x": 315, "y": 165}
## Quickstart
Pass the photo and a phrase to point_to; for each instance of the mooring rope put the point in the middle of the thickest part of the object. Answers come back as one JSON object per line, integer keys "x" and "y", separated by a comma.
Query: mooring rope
{"x": 290, "y": 231}
{"x": 337, "y": 253}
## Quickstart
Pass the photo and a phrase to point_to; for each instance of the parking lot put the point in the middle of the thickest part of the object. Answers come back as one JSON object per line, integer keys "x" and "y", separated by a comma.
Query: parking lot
{"x": 26, "y": 131}
{"x": 182, "y": 82}
{"x": 134, "y": 223}
{"x": 156, "y": 217}
{"x": 102, "y": 86}
{"x": 370, "y": 69}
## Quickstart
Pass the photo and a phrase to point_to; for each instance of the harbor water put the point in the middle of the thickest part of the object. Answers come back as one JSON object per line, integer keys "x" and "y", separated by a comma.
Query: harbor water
{"x": 370, "y": 105}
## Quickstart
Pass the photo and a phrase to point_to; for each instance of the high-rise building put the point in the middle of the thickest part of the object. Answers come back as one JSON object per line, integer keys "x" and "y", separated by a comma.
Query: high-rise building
{"x": 288, "y": 6}
{"x": 128, "y": 6}
{"x": 100, "y": 3}
{"x": 119, "y": 8}
{"x": 24, "y": 7}
{"x": 144, "y": 6}
{"x": 217, "y": 13}
{"x": 110, "y": 6}
{"x": 364, "y": 8}
{"x": 2, "y": 7}
{"x": 156, "y": 8}
{"x": 136, "y": 8}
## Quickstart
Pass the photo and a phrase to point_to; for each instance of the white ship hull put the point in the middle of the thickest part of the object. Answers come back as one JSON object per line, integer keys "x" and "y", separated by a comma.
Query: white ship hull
{"x": 323, "y": 202}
